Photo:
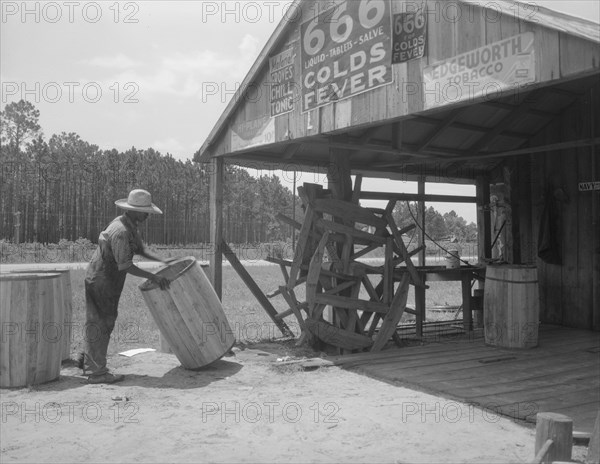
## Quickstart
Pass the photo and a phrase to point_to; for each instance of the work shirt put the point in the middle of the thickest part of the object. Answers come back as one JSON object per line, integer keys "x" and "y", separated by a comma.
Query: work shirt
{"x": 114, "y": 255}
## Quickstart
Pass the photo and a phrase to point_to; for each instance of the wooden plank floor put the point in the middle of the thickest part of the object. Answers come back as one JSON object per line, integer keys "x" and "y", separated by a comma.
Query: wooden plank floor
{"x": 561, "y": 375}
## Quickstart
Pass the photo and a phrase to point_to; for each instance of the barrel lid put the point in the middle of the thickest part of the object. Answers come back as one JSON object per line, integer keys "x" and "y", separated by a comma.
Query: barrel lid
{"x": 10, "y": 276}
{"x": 171, "y": 271}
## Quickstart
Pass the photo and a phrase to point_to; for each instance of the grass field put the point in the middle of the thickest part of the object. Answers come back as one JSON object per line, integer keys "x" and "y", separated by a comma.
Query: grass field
{"x": 135, "y": 327}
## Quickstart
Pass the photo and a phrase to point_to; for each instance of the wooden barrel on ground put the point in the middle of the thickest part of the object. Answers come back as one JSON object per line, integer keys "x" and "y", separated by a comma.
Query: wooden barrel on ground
{"x": 67, "y": 300}
{"x": 189, "y": 314}
{"x": 511, "y": 306}
{"x": 31, "y": 346}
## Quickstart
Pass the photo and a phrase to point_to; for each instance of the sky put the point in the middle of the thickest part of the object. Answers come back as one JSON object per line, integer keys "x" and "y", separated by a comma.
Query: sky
{"x": 146, "y": 73}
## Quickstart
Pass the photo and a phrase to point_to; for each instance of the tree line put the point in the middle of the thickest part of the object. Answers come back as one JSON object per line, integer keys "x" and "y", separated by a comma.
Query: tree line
{"x": 65, "y": 188}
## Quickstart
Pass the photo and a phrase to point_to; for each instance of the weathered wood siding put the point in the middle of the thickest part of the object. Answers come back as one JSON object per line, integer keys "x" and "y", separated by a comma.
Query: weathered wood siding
{"x": 569, "y": 292}
{"x": 453, "y": 28}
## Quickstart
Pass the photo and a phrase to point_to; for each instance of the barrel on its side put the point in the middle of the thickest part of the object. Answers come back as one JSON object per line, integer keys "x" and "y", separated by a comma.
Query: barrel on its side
{"x": 67, "y": 301}
{"x": 30, "y": 316}
{"x": 189, "y": 314}
{"x": 511, "y": 306}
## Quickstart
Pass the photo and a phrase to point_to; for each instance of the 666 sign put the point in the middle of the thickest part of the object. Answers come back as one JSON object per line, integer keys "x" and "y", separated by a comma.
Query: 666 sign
{"x": 409, "y": 36}
{"x": 345, "y": 50}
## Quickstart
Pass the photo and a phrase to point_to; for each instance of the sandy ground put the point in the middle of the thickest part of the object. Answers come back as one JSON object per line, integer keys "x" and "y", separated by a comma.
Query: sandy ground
{"x": 244, "y": 409}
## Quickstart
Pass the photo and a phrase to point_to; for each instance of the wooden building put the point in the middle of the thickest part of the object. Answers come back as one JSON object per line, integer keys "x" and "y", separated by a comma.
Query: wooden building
{"x": 504, "y": 96}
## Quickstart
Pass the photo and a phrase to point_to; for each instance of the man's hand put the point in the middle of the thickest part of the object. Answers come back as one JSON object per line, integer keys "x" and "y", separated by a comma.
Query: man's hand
{"x": 161, "y": 281}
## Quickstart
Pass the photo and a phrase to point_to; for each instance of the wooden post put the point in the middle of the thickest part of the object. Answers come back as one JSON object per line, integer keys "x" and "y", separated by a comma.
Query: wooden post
{"x": 526, "y": 229}
{"x": 466, "y": 297}
{"x": 421, "y": 219}
{"x": 216, "y": 225}
{"x": 484, "y": 237}
{"x": 255, "y": 289}
{"x": 421, "y": 310}
{"x": 593, "y": 453}
{"x": 559, "y": 429}
{"x": 339, "y": 181}
{"x": 294, "y": 212}
{"x": 511, "y": 176}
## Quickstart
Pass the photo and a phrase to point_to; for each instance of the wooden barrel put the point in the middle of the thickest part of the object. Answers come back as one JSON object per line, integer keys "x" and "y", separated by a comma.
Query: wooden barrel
{"x": 511, "y": 306}
{"x": 189, "y": 314}
{"x": 30, "y": 319}
{"x": 67, "y": 301}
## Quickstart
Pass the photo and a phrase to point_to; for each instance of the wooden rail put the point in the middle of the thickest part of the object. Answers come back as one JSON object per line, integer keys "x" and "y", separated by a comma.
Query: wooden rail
{"x": 541, "y": 454}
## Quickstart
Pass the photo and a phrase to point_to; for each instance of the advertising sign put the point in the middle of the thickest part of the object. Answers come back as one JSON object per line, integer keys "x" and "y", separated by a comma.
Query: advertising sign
{"x": 487, "y": 70}
{"x": 345, "y": 50}
{"x": 410, "y": 32}
{"x": 252, "y": 133}
{"x": 589, "y": 186}
{"x": 281, "y": 79}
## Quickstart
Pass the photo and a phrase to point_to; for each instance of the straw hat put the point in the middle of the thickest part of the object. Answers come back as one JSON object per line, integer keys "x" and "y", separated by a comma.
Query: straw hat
{"x": 139, "y": 200}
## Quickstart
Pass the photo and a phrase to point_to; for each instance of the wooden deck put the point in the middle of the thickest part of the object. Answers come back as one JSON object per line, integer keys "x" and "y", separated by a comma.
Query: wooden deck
{"x": 561, "y": 375}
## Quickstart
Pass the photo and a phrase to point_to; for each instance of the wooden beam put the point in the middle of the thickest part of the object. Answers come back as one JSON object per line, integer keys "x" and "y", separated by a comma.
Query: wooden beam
{"x": 215, "y": 271}
{"x": 388, "y": 271}
{"x": 342, "y": 229}
{"x": 336, "y": 336}
{"x": 376, "y": 296}
{"x": 357, "y": 188}
{"x": 529, "y": 150}
{"x": 542, "y": 452}
{"x": 314, "y": 269}
{"x": 593, "y": 454}
{"x": 290, "y": 299}
{"x": 366, "y": 195}
{"x": 365, "y": 251}
{"x": 512, "y": 197}
{"x": 338, "y": 288}
{"x": 255, "y": 289}
{"x": 351, "y": 303}
{"x": 353, "y": 144}
{"x": 369, "y": 134}
{"x": 391, "y": 319}
{"x": 508, "y": 120}
{"x": 291, "y": 150}
{"x": 416, "y": 279}
{"x": 484, "y": 223}
{"x": 304, "y": 267}
{"x": 444, "y": 124}
{"x": 274, "y": 293}
{"x": 473, "y": 128}
{"x": 421, "y": 220}
{"x": 301, "y": 247}
{"x": 288, "y": 220}
{"x": 348, "y": 212}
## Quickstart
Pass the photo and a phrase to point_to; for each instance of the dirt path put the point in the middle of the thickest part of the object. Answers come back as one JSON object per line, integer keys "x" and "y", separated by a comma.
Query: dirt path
{"x": 242, "y": 409}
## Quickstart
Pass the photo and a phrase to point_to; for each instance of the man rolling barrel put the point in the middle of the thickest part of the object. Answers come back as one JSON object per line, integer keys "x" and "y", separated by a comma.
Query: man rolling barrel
{"x": 105, "y": 278}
